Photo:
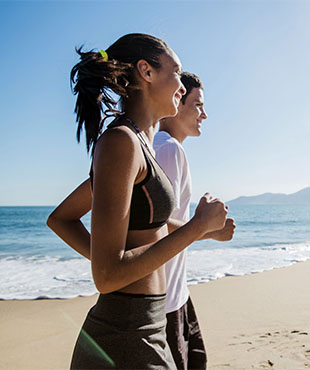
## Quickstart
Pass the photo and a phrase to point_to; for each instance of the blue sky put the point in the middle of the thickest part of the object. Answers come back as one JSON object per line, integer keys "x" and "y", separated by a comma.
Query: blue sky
{"x": 252, "y": 56}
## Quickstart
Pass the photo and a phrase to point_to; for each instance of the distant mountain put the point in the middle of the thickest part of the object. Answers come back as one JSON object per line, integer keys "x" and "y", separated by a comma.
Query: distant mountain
{"x": 301, "y": 197}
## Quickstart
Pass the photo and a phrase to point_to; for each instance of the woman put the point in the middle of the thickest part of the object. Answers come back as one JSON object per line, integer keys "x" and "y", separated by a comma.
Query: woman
{"x": 131, "y": 203}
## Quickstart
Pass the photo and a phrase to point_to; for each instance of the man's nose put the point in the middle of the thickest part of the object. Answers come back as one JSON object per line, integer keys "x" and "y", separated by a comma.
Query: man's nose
{"x": 204, "y": 114}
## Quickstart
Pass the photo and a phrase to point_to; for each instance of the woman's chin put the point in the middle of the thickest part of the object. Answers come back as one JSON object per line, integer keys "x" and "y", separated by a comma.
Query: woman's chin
{"x": 174, "y": 110}
{"x": 171, "y": 111}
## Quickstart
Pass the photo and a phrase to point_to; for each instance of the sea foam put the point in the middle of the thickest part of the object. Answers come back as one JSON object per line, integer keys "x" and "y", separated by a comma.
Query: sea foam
{"x": 55, "y": 277}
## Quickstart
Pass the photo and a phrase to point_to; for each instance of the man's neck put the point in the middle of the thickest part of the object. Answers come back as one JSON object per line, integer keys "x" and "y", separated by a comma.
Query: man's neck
{"x": 173, "y": 132}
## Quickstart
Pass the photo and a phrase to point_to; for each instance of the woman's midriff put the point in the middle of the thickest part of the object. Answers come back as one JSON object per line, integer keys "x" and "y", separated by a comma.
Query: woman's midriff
{"x": 155, "y": 282}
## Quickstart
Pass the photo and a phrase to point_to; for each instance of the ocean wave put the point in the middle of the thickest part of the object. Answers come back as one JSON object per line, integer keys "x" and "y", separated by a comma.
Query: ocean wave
{"x": 270, "y": 223}
{"x": 205, "y": 265}
{"x": 46, "y": 277}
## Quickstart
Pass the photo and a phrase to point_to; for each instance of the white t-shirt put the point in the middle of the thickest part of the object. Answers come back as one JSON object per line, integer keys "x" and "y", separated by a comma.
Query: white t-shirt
{"x": 172, "y": 158}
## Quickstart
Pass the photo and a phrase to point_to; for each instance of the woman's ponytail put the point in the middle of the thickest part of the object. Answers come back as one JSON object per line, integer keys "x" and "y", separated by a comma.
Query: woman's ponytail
{"x": 99, "y": 73}
{"x": 92, "y": 77}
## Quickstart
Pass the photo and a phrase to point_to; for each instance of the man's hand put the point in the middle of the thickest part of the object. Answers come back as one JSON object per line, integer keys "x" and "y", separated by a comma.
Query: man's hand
{"x": 224, "y": 234}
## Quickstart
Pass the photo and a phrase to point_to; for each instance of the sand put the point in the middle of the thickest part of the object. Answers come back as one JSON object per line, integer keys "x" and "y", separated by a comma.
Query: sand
{"x": 258, "y": 321}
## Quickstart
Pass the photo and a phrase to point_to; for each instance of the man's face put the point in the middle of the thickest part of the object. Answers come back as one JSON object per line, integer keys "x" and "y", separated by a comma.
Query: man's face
{"x": 192, "y": 113}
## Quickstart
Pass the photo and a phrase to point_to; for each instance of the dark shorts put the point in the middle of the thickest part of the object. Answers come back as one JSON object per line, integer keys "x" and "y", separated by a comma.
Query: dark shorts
{"x": 124, "y": 332}
{"x": 185, "y": 339}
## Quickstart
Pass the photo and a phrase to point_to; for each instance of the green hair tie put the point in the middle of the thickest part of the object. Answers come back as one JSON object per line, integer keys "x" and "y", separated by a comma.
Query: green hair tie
{"x": 104, "y": 55}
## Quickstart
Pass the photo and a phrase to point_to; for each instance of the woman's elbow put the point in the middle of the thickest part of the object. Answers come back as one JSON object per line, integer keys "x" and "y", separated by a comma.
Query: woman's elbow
{"x": 105, "y": 282}
{"x": 54, "y": 221}
{"x": 104, "y": 287}
{"x": 51, "y": 221}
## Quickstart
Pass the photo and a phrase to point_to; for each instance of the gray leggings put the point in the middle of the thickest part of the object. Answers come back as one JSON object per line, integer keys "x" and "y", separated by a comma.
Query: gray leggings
{"x": 124, "y": 331}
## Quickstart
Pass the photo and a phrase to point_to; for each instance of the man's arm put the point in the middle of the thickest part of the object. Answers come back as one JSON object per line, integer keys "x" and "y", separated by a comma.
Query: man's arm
{"x": 223, "y": 235}
{"x": 170, "y": 158}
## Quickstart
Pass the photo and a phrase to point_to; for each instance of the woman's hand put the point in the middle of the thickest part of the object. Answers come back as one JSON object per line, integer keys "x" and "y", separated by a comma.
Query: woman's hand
{"x": 210, "y": 215}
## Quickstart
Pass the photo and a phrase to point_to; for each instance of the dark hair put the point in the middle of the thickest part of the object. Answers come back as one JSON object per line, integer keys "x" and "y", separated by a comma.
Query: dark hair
{"x": 190, "y": 80}
{"x": 94, "y": 78}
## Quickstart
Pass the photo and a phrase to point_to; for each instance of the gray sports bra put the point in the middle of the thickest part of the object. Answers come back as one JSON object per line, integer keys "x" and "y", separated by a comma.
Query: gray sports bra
{"x": 152, "y": 199}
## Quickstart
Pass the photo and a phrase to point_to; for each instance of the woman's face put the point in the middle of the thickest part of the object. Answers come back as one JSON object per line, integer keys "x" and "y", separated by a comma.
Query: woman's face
{"x": 167, "y": 88}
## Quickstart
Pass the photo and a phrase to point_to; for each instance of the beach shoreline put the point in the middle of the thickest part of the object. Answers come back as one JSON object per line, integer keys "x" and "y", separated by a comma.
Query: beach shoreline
{"x": 252, "y": 321}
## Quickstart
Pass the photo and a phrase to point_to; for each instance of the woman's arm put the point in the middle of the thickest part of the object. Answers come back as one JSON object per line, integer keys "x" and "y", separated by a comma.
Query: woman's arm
{"x": 117, "y": 163}
{"x": 222, "y": 235}
{"x": 65, "y": 219}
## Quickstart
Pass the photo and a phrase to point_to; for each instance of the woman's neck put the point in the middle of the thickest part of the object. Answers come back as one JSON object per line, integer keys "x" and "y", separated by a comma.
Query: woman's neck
{"x": 150, "y": 133}
{"x": 140, "y": 112}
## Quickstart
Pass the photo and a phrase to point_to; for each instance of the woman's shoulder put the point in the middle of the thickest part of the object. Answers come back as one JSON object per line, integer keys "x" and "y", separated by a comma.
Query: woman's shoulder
{"x": 117, "y": 138}
{"x": 116, "y": 155}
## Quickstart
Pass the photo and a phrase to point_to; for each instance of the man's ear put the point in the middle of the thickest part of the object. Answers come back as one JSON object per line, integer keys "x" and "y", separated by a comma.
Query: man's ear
{"x": 145, "y": 70}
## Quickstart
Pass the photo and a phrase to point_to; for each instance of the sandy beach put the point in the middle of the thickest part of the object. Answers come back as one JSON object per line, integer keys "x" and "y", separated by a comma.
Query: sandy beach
{"x": 258, "y": 321}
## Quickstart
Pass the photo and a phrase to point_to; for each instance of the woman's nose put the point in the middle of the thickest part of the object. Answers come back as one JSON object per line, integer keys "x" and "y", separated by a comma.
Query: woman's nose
{"x": 182, "y": 89}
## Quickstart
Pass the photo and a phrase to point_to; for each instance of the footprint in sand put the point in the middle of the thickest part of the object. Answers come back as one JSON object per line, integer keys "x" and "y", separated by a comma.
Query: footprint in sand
{"x": 286, "y": 345}
{"x": 266, "y": 364}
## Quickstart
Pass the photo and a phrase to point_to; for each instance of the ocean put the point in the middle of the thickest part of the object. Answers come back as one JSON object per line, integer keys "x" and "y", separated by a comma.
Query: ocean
{"x": 35, "y": 263}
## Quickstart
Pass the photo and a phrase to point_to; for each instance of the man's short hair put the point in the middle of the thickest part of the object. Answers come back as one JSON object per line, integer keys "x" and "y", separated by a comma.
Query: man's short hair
{"x": 190, "y": 81}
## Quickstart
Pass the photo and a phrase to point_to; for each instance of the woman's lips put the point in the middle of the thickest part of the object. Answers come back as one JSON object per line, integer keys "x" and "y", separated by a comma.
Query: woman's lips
{"x": 178, "y": 96}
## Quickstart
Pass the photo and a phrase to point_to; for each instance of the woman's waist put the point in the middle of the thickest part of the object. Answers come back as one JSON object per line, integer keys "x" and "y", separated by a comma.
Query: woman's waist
{"x": 155, "y": 282}
{"x": 152, "y": 284}
{"x": 136, "y": 238}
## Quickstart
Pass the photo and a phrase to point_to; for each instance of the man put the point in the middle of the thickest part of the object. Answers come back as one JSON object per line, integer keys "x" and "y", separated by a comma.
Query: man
{"x": 183, "y": 333}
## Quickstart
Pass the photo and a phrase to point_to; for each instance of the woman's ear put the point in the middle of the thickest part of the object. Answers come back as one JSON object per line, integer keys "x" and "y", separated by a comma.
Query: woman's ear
{"x": 145, "y": 70}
